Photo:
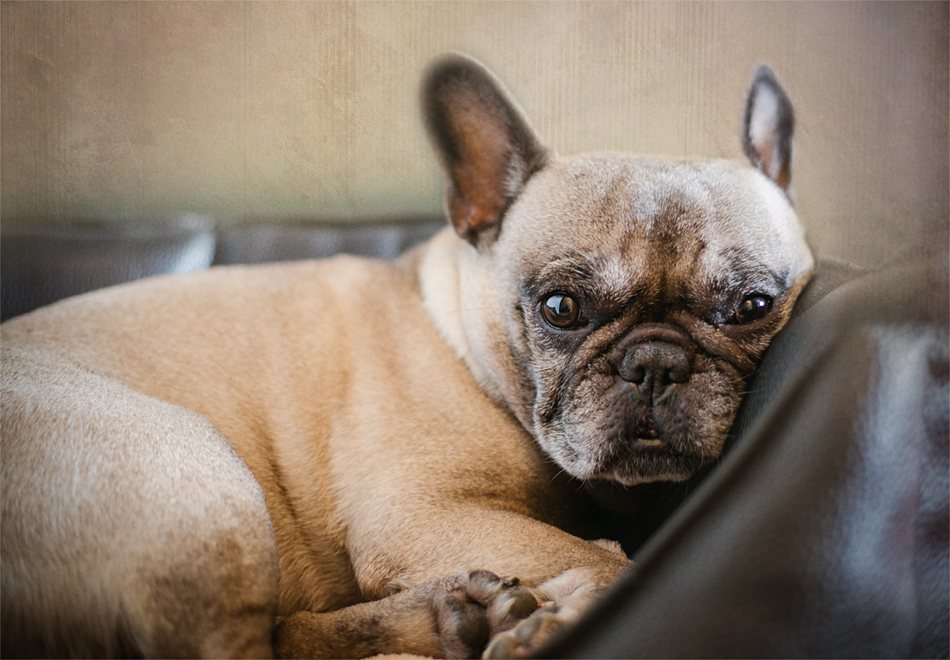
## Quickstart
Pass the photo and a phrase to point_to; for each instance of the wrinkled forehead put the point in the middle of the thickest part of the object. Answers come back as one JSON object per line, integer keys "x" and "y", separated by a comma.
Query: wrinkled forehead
{"x": 706, "y": 219}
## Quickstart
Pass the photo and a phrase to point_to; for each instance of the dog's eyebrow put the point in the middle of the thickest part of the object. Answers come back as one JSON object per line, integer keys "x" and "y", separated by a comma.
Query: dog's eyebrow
{"x": 745, "y": 269}
{"x": 574, "y": 265}
{"x": 570, "y": 272}
{"x": 743, "y": 280}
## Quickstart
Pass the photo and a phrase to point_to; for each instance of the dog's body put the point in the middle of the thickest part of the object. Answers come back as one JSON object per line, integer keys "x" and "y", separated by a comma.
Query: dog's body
{"x": 342, "y": 419}
{"x": 188, "y": 457}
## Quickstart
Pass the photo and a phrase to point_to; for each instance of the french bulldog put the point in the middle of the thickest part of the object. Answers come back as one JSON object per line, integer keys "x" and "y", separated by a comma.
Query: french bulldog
{"x": 350, "y": 457}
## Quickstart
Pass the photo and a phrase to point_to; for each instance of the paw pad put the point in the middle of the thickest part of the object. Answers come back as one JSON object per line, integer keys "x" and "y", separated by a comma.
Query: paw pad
{"x": 527, "y": 636}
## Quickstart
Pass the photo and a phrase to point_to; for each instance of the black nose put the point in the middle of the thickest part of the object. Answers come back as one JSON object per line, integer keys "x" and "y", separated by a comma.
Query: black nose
{"x": 651, "y": 367}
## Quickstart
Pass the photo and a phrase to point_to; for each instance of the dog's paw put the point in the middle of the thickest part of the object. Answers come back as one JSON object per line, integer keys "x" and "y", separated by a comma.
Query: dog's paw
{"x": 564, "y": 598}
{"x": 479, "y": 606}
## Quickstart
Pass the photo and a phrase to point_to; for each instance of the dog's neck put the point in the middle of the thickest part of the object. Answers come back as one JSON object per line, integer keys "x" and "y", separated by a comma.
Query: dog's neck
{"x": 452, "y": 285}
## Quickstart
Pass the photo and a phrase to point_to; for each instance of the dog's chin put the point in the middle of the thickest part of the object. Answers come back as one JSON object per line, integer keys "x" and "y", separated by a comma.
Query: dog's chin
{"x": 644, "y": 470}
{"x": 630, "y": 463}
{"x": 647, "y": 461}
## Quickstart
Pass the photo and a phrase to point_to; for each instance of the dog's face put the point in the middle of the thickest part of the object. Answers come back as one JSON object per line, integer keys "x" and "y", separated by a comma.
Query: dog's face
{"x": 621, "y": 301}
{"x": 639, "y": 310}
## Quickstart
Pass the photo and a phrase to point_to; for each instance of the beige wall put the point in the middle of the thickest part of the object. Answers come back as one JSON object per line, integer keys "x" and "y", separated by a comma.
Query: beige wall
{"x": 143, "y": 110}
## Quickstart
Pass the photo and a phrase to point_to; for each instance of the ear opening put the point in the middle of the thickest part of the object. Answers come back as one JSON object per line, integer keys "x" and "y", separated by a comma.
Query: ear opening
{"x": 768, "y": 127}
{"x": 486, "y": 145}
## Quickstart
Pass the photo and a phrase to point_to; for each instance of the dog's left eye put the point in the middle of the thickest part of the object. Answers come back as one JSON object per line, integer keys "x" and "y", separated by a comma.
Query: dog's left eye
{"x": 752, "y": 308}
{"x": 562, "y": 311}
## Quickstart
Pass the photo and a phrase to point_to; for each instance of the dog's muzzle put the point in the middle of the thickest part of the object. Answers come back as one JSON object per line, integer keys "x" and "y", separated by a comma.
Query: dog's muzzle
{"x": 652, "y": 362}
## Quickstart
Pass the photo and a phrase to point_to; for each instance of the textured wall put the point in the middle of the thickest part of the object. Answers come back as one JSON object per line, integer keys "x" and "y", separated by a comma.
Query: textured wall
{"x": 143, "y": 110}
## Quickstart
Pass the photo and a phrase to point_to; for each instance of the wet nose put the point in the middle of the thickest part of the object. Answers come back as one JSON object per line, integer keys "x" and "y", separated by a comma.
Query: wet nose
{"x": 651, "y": 367}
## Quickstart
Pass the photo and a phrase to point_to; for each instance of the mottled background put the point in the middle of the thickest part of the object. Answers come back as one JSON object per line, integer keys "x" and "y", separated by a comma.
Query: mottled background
{"x": 144, "y": 111}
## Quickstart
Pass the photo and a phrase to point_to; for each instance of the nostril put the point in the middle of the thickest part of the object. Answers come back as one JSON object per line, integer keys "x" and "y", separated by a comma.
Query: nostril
{"x": 679, "y": 371}
{"x": 635, "y": 375}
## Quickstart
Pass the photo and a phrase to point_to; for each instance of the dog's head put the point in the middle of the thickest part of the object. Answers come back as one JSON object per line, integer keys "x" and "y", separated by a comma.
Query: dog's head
{"x": 614, "y": 303}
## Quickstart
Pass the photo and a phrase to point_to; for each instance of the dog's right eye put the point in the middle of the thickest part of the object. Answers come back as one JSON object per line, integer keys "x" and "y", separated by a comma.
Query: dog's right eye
{"x": 562, "y": 311}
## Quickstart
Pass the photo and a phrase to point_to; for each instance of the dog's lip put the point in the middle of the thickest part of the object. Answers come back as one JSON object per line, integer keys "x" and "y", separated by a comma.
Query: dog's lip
{"x": 650, "y": 447}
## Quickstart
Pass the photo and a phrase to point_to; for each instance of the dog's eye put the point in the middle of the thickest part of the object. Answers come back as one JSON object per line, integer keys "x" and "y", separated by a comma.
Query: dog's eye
{"x": 562, "y": 311}
{"x": 752, "y": 308}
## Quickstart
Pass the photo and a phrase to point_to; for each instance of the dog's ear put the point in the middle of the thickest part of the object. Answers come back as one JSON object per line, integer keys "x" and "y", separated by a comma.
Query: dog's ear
{"x": 767, "y": 127}
{"x": 486, "y": 145}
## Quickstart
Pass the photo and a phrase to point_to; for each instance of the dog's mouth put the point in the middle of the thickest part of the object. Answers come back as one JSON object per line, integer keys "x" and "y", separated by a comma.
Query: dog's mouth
{"x": 633, "y": 459}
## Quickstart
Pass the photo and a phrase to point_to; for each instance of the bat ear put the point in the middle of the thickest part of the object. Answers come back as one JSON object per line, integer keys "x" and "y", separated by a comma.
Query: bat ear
{"x": 486, "y": 145}
{"x": 768, "y": 126}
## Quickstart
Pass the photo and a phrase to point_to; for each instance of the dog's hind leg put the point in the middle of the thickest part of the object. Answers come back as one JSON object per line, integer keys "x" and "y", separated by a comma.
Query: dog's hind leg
{"x": 130, "y": 527}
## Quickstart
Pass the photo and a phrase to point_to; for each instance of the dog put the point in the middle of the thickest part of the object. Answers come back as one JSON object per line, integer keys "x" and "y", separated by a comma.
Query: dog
{"x": 349, "y": 457}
